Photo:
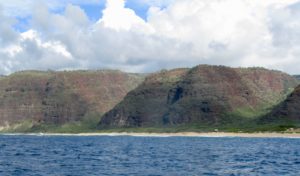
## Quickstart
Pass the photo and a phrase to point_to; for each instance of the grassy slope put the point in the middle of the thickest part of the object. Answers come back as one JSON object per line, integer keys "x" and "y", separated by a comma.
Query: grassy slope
{"x": 90, "y": 126}
{"x": 28, "y": 126}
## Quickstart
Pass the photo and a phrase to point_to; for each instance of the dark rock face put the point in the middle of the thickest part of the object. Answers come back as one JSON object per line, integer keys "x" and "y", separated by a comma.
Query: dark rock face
{"x": 61, "y": 97}
{"x": 202, "y": 94}
{"x": 288, "y": 110}
{"x": 147, "y": 104}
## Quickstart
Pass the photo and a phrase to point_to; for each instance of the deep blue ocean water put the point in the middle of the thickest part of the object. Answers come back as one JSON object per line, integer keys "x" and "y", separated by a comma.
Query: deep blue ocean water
{"x": 182, "y": 156}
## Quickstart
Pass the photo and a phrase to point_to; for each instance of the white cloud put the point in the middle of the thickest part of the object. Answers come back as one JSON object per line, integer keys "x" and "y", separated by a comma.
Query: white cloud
{"x": 7, "y": 34}
{"x": 53, "y": 46}
{"x": 177, "y": 33}
{"x": 117, "y": 17}
{"x": 30, "y": 52}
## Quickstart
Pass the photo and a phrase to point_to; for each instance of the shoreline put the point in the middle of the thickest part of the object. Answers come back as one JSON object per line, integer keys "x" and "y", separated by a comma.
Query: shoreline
{"x": 180, "y": 134}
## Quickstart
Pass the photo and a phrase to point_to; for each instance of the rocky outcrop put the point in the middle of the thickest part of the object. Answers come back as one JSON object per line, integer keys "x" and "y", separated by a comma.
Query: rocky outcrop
{"x": 61, "y": 97}
{"x": 201, "y": 95}
{"x": 287, "y": 111}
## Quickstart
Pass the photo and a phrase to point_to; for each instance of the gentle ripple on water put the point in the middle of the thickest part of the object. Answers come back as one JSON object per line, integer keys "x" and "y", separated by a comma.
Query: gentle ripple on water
{"x": 67, "y": 155}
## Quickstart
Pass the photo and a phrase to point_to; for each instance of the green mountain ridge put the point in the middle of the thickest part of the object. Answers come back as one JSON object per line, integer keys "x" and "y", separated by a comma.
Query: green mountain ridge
{"x": 201, "y": 98}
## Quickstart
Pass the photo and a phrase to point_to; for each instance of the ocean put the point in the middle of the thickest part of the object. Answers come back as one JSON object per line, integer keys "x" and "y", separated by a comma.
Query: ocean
{"x": 149, "y": 156}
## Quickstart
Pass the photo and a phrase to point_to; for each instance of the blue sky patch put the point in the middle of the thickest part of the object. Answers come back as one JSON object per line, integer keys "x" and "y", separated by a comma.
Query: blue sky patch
{"x": 94, "y": 12}
{"x": 139, "y": 8}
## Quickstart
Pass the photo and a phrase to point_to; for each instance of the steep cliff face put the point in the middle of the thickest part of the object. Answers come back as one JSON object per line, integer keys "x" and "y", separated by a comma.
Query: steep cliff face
{"x": 287, "y": 111}
{"x": 146, "y": 104}
{"x": 203, "y": 94}
{"x": 61, "y": 97}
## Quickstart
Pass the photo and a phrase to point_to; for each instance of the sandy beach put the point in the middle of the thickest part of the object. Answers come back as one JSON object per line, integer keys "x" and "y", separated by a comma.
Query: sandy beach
{"x": 181, "y": 134}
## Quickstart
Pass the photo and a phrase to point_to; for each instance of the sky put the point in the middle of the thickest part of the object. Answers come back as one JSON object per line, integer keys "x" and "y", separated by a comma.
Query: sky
{"x": 148, "y": 35}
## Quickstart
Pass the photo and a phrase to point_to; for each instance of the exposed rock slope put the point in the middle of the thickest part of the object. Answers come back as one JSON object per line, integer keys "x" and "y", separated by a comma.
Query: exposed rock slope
{"x": 201, "y": 95}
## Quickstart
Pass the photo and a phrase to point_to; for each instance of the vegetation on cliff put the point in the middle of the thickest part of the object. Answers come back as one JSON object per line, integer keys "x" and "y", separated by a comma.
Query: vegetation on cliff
{"x": 35, "y": 100}
{"x": 203, "y": 97}
{"x": 287, "y": 113}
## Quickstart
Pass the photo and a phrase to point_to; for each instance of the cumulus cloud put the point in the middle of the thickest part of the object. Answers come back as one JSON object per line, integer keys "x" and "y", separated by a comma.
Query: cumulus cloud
{"x": 117, "y": 17}
{"x": 7, "y": 34}
{"x": 176, "y": 33}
